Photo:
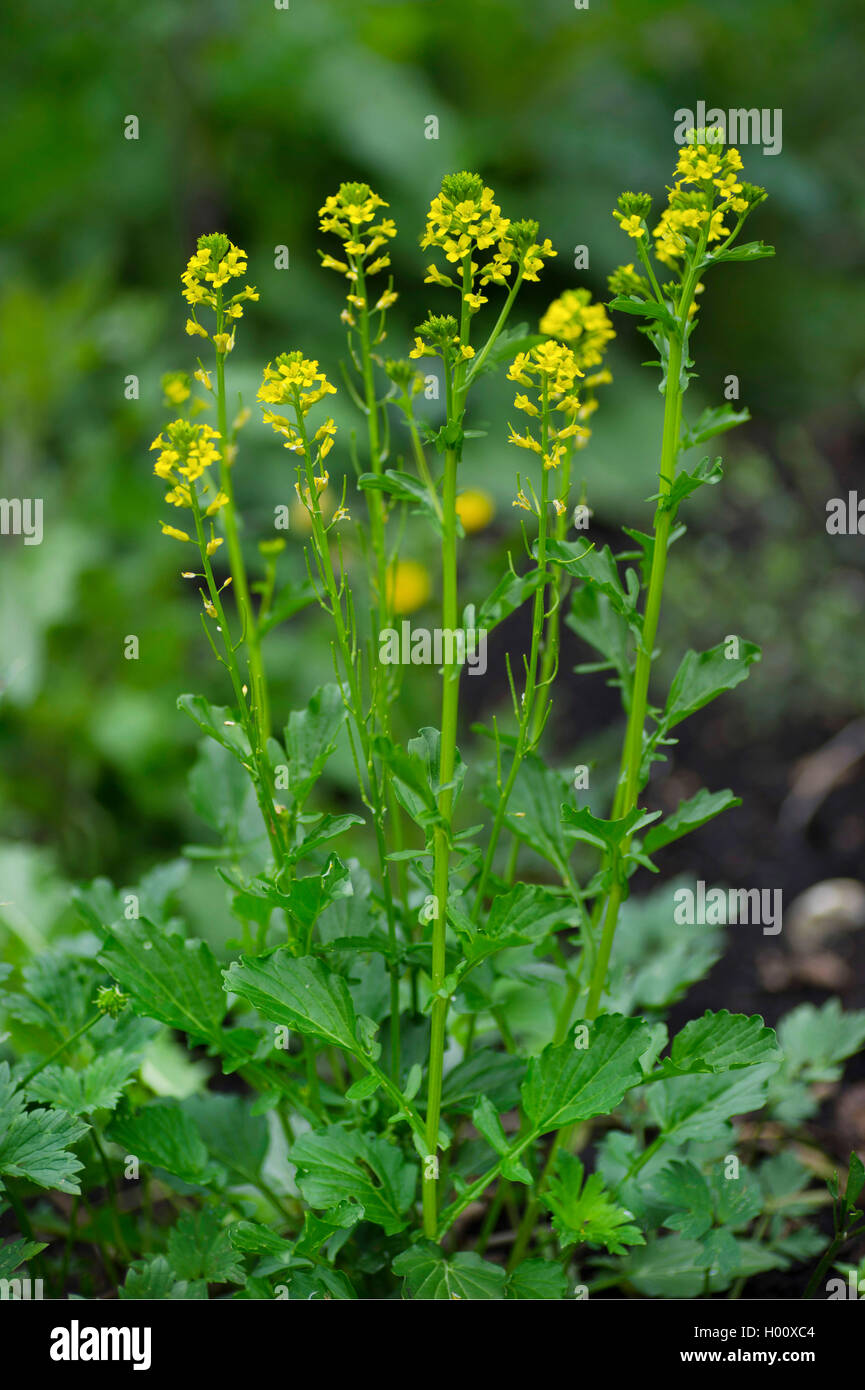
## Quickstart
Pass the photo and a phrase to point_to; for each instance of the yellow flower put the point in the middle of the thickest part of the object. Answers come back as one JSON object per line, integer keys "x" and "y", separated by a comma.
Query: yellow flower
{"x": 213, "y": 545}
{"x": 633, "y": 225}
{"x": 186, "y": 452}
{"x": 213, "y": 264}
{"x": 173, "y": 531}
{"x": 550, "y": 370}
{"x": 294, "y": 380}
{"x": 192, "y": 328}
{"x": 584, "y": 326}
{"x": 475, "y": 509}
{"x": 408, "y": 586}
{"x": 175, "y": 387}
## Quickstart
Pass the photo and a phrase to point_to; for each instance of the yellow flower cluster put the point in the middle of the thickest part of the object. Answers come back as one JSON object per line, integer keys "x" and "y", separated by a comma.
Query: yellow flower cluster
{"x": 213, "y": 265}
{"x": 438, "y": 336}
{"x": 586, "y": 329}
{"x": 295, "y": 380}
{"x": 550, "y": 370}
{"x": 186, "y": 452}
{"x": 705, "y": 189}
{"x": 464, "y": 220}
{"x": 584, "y": 326}
{"x": 351, "y": 215}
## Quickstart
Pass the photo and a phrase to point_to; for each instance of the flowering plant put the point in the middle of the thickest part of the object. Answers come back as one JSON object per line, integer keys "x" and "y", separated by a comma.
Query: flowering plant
{"x": 446, "y": 1022}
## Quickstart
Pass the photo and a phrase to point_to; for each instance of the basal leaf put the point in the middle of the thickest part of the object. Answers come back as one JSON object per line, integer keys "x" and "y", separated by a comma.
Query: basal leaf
{"x": 720, "y": 1042}
{"x": 698, "y": 1107}
{"x": 168, "y": 977}
{"x": 537, "y": 1279}
{"x": 162, "y": 1134}
{"x": 485, "y": 1072}
{"x": 199, "y": 1247}
{"x": 36, "y": 1144}
{"x": 337, "y": 1165}
{"x": 300, "y": 992}
{"x": 583, "y": 1212}
{"x": 98, "y": 1086}
{"x": 429, "y": 1274}
{"x": 154, "y": 1279}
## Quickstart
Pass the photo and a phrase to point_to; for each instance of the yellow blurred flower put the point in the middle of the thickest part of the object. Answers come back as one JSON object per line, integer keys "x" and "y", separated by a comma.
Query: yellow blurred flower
{"x": 475, "y": 509}
{"x": 408, "y": 586}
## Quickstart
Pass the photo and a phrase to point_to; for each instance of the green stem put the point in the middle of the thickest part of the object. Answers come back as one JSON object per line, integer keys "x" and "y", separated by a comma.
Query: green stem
{"x": 441, "y": 837}
{"x": 79, "y": 1032}
{"x": 629, "y": 787}
{"x": 240, "y": 583}
{"x": 524, "y": 739}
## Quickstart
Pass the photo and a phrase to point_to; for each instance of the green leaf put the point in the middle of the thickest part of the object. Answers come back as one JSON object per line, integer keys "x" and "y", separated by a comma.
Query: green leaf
{"x": 749, "y": 251}
{"x": 98, "y": 1086}
{"x": 199, "y": 1247}
{"x": 683, "y": 1195}
{"x": 327, "y": 828}
{"x": 690, "y": 815}
{"x": 534, "y": 810}
{"x": 598, "y": 568}
{"x": 526, "y": 913}
{"x": 15, "y": 1252}
{"x": 339, "y": 1165}
{"x": 646, "y": 308}
{"x": 411, "y": 780}
{"x": 566, "y": 1083}
{"x": 484, "y": 1073}
{"x": 814, "y": 1040}
{"x": 154, "y": 1278}
{"x": 233, "y": 1136}
{"x": 222, "y": 794}
{"x": 704, "y": 675}
{"x": 537, "y": 1279}
{"x": 697, "y": 1107}
{"x": 714, "y": 420}
{"x": 218, "y": 723}
{"x": 429, "y": 1274}
{"x": 707, "y": 473}
{"x": 594, "y": 618}
{"x": 720, "y": 1042}
{"x": 509, "y": 594}
{"x": 58, "y": 994}
{"x": 36, "y": 1144}
{"x": 404, "y": 487}
{"x": 168, "y": 977}
{"x": 301, "y": 993}
{"x": 310, "y": 738}
{"x": 164, "y": 1135}
{"x": 605, "y": 834}
{"x": 654, "y": 960}
{"x": 252, "y": 1238}
{"x": 671, "y": 1267}
{"x": 585, "y": 1213}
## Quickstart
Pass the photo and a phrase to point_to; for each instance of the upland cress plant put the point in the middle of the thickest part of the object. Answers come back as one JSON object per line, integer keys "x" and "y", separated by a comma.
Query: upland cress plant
{"x": 440, "y": 1013}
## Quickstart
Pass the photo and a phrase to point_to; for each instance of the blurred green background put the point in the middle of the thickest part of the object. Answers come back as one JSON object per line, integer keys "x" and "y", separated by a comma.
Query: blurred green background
{"x": 249, "y": 116}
